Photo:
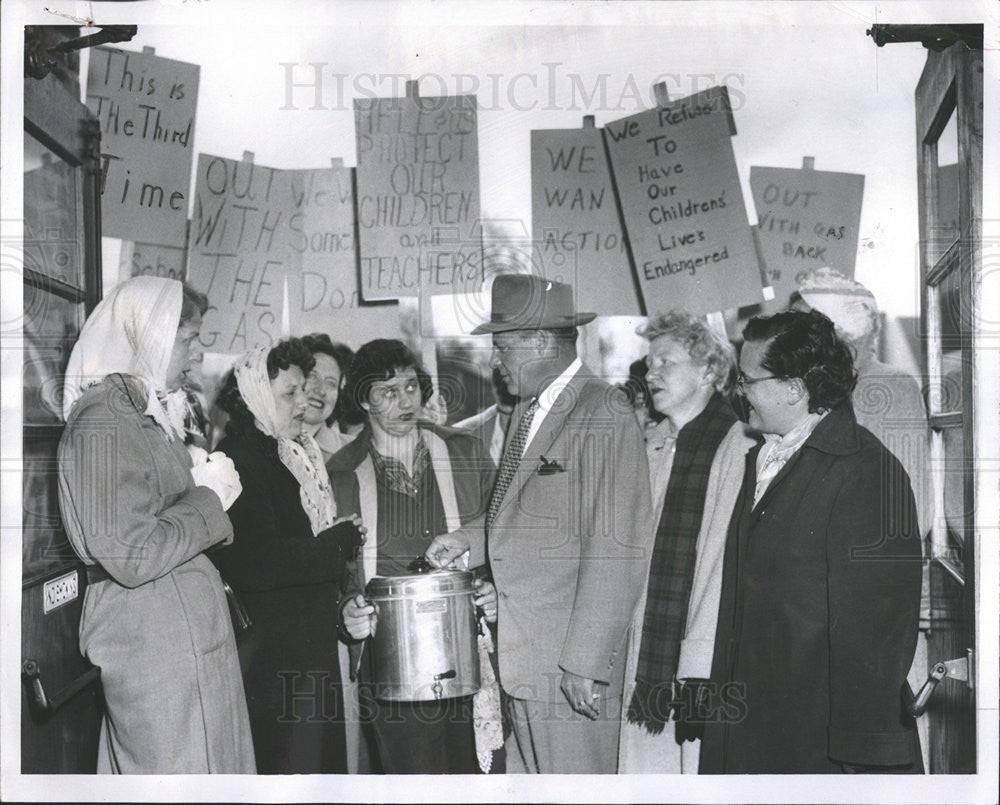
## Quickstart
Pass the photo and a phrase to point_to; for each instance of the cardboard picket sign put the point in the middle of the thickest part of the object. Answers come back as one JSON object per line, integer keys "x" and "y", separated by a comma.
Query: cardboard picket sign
{"x": 576, "y": 229}
{"x": 806, "y": 219}
{"x": 323, "y": 291}
{"x": 239, "y": 251}
{"x": 150, "y": 259}
{"x": 146, "y": 108}
{"x": 682, "y": 205}
{"x": 418, "y": 195}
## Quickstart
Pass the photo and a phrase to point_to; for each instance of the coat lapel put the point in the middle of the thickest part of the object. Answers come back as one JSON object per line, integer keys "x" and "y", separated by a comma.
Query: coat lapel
{"x": 552, "y": 426}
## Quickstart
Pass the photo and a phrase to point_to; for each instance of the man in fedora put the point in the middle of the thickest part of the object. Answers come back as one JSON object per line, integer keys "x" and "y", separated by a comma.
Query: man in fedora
{"x": 566, "y": 533}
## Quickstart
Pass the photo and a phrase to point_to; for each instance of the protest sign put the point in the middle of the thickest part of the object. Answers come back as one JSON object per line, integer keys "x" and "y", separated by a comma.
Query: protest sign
{"x": 149, "y": 259}
{"x": 146, "y": 108}
{"x": 576, "y": 228}
{"x": 323, "y": 290}
{"x": 682, "y": 205}
{"x": 806, "y": 219}
{"x": 239, "y": 251}
{"x": 418, "y": 195}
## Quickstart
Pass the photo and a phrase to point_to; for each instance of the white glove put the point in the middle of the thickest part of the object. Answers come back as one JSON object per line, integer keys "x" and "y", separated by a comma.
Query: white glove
{"x": 219, "y": 474}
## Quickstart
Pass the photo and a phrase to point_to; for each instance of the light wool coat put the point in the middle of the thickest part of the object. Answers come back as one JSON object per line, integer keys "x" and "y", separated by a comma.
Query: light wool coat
{"x": 160, "y": 628}
{"x": 639, "y": 751}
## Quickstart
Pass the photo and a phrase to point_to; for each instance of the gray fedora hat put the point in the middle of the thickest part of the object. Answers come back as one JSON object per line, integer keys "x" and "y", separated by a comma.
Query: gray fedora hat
{"x": 527, "y": 302}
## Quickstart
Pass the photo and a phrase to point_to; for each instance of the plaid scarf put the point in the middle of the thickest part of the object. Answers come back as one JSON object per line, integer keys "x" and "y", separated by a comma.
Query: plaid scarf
{"x": 672, "y": 569}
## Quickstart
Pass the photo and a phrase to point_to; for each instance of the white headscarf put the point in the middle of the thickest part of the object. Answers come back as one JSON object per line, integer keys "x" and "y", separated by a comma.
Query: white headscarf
{"x": 847, "y": 303}
{"x": 131, "y": 331}
{"x": 300, "y": 455}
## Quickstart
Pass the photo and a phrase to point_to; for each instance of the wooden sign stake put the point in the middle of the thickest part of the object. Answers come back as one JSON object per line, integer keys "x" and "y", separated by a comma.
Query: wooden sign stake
{"x": 425, "y": 306}
{"x": 660, "y": 94}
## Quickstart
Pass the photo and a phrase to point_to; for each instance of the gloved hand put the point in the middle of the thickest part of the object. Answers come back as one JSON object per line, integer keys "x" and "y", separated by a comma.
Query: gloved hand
{"x": 219, "y": 474}
{"x": 349, "y": 534}
{"x": 692, "y": 708}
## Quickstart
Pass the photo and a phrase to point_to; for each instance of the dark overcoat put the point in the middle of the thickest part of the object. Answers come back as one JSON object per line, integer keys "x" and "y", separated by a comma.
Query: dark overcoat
{"x": 819, "y": 614}
{"x": 290, "y": 582}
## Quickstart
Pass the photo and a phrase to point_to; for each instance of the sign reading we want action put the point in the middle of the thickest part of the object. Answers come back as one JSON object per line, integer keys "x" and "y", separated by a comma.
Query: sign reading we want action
{"x": 683, "y": 207}
{"x": 576, "y": 230}
{"x": 146, "y": 108}
{"x": 418, "y": 196}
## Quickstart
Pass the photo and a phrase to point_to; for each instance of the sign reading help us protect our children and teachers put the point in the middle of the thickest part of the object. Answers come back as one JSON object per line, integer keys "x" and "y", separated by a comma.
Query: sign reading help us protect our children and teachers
{"x": 418, "y": 196}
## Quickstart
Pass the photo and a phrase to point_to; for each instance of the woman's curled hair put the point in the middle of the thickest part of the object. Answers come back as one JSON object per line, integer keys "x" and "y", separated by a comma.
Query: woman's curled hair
{"x": 806, "y": 346}
{"x": 376, "y": 361}
{"x": 284, "y": 354}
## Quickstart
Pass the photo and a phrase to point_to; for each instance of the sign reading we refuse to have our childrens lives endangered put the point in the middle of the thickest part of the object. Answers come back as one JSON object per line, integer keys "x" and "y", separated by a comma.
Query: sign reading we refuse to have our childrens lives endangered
{"x": 146, "y": 107}
{"x": 418, "y": 195}
{"x": 575, "y": 226}
{"x": 806, "y": 219}
{"x": 682, "y": 205}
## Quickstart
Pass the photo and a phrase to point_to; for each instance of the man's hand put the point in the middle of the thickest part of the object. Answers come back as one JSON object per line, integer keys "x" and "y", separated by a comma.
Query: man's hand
{"x": 445, "y": 549}
{"x": 485, "y": 597}
{"x": 580, "y": 694}
{"x": 359, "y": 617}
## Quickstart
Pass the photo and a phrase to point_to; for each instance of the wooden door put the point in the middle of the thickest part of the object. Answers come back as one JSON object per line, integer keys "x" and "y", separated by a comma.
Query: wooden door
{"x": 60, "y": 697}
{"x": 949, "y": 103}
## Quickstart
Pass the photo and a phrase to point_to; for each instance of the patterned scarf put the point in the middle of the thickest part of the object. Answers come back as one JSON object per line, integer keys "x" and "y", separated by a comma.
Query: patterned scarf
{"x": 397, "y": 477}
{"x": 300, "y": 455}
{"x": 672, "y": 569}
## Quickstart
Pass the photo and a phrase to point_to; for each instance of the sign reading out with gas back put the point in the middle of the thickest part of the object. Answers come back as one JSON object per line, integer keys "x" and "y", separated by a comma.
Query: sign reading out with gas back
{"x": 418, "y": 196}
{"x": 146, "y": 107}
{"x": 682, "y": 205}
{"x": 576, "y": 230}
{"x": 806, "y": 219}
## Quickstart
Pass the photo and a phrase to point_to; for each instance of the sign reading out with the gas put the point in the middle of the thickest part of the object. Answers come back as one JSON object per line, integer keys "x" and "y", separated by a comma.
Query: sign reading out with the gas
{"x": 806, "y": 219}
{"x": 239, "y": 251}
{"x": 576, "y": 230}
{"x": 683, "y": 207}
{"x": 146, "y": 107}
{"x": 418, "y": 196}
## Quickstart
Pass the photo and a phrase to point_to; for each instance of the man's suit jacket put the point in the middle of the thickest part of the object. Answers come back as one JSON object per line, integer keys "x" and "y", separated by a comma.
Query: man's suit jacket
{"x": 570, "y": 543}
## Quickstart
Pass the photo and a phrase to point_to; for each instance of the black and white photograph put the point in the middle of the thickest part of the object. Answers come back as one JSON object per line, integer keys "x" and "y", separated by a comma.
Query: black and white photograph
{"x": 558, "y": 401}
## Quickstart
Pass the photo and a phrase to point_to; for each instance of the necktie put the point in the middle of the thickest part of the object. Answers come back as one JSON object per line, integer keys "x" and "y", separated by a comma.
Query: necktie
{"x": 511, "y": 458}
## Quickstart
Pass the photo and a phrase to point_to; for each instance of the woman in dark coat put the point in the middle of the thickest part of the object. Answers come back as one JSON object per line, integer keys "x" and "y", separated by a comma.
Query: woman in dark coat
{"x": 821, "y": 579}
{"x": 287, "y": 564}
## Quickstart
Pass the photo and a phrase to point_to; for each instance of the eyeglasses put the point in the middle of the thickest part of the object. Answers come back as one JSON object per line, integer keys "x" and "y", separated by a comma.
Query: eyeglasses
{"x": 742, "y": 381}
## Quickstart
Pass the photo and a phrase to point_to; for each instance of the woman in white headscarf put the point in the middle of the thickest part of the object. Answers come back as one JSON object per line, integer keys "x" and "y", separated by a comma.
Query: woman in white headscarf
{"x": 287, "y": 563}
{"x": 140, "y": 514}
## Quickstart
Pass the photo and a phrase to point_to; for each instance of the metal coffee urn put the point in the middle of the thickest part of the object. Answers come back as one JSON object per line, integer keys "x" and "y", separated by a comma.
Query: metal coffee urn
{"x": 425, "y": 644}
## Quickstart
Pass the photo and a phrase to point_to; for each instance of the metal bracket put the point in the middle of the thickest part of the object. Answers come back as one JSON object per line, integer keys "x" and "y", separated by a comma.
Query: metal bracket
{"x": 959, "y": 669}
{"x": 43, "y": 703}
{"x": 36, "y": 55}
